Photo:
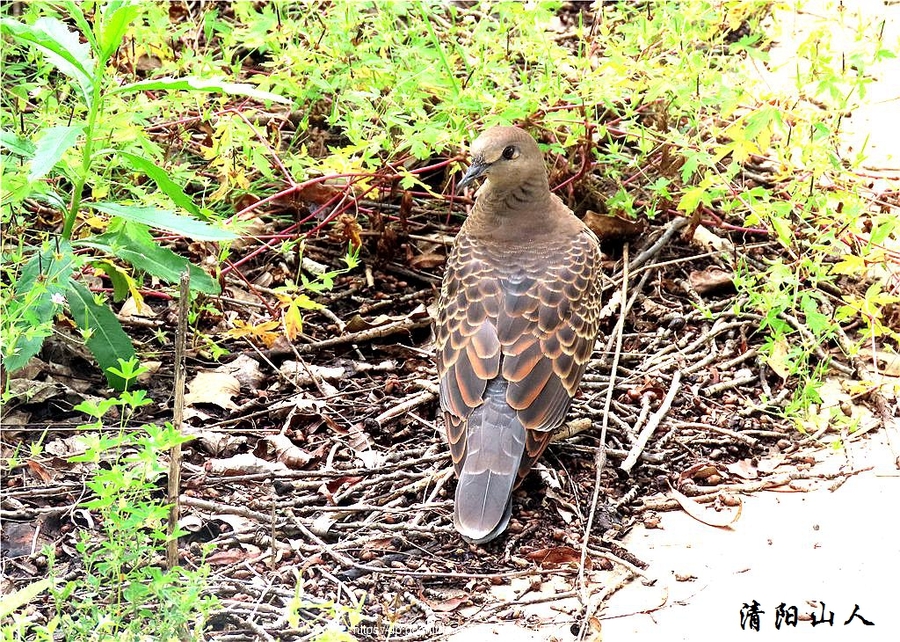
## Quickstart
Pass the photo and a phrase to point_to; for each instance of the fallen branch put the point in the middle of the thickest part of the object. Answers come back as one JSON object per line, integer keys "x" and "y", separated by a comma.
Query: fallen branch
{"x": 652, "y": 425}
{"x": 366, "y": 335}
{"x": 413, "y": 401}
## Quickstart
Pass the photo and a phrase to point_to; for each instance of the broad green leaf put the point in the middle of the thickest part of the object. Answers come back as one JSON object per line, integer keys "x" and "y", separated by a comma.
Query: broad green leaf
{"x": 165, "y": 220}
{"x": 73, "y": 7}
{"x": 816, "y": 321}
{"x": 190, "y": 83}
{"x": 135, "y": 245}
{"x": 26, "y": 344}
{"x": 121, "y": 282}
{"x": 44, "y": 278}
{"x": 15, "y": 145}
{"x": 849, "y": 264}
{"x": 884, "y": 229}
{"x": 50, "y": 147}
{"x": 106, "y": 339}
{"x": 692, "y": 198}
{"x": 63, "y": 48}
{"x": 16, "y": 600}
{"x": 117, "y": 15}
{"x": 159, "y": 176}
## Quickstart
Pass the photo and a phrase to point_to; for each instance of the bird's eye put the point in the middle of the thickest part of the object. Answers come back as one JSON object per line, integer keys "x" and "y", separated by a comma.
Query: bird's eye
{"x": 509, "y": 153}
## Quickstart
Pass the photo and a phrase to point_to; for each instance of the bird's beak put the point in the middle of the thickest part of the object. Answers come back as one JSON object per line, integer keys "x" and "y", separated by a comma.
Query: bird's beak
{"x": 476, "y": 169}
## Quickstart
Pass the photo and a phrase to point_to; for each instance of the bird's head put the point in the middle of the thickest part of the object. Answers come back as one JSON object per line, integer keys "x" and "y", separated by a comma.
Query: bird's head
{"x": 508, "y": 157}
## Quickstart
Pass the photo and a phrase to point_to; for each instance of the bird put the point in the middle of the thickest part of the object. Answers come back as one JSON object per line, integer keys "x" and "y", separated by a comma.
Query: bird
{"x": 517, "y": 318}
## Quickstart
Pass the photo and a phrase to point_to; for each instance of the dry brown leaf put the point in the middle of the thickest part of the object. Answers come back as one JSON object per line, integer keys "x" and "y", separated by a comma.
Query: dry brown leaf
{"x": 701, "y": 470}
{"x": 39, "y": 471}
{"x": 745, "y": 469}
{"x": 246, "y": 370}
{"x": 557, "y": 556}
{"x": 359, "y": 440}
{"x": 244, "y": 464}
{"x": 612, "y": 227}
{"x": 323, "y": 523}
{"x": 135, "y": 307}
{"x": 152, "y": 368}
{"x": 317, "y": 193}
{"x": 343, "y": 482}
{"x": 229, "y": 557}
{"x": 350, "y": 229}
{"x": 890, "y": 363}
{"x": 216, "y": 388}
{"x": 427, "y": 261}
{"x": 287, "y": 452}
{"x": 449, "y": 605}
{"x": 18, "y": 539}
{"x": 711, "y": 280}
{"x": 380, "y": 544}
{"x": 708, "y": 240}
{"x": 769, "y": 464}
{"x": 778, "y": 360}
{"x": 708, "y": 516}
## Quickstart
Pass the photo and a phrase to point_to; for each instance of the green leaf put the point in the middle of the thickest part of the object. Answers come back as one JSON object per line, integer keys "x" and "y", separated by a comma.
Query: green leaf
{"x": 135, "y": 245}
{"x": 782, "y": 230}
{"x": 15, "y": 145}
{"x": 63, "y": 48}
{"x": 106, "y": 340}
{"x": 691, "y": 164}
{"x": 692, "y": 198}
{"x": 50, "y": 147}
{"x": 165, "y": 220}
{"x": 120, "y": 280}
{"x": 117, "y": 15}
{"x": 43, "y": 278}
{"x": 159, "y": 176}
{"x": 816, "y": 321}
{"x": 191, "y": 83}
{"x": 76, "y": 15}
{"x": 23, "y": 596}
{"x": 883, "y": 230}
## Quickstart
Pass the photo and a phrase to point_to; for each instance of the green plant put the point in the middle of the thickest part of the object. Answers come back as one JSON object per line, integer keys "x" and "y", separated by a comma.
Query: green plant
{"x": 57, "y": 164}
{"x": 122, "y": 591}
{"x": 21, "y": 626}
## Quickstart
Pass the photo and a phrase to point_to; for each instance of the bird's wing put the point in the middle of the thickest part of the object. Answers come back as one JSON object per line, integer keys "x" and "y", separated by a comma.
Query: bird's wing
{"x": 532, "y": 324}
{"x": 547, "y": 333}
{"x": 467, "y": 345}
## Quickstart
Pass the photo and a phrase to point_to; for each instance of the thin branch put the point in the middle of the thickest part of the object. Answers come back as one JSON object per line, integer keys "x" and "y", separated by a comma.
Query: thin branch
{"x": 652, "y": 425}
{"x": 184, "y": 303}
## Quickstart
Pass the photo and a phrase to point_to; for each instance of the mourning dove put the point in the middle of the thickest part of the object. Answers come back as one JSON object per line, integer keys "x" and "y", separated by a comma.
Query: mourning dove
{"x": 517, "y": 320}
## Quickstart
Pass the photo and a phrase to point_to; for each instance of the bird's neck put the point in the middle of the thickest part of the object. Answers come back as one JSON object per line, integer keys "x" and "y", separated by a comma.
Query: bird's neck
{"x": 533, "y": 192}
{"x": 525, "y": 210}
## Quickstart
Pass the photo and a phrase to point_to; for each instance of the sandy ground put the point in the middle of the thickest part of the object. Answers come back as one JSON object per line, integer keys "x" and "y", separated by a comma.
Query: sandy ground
{"x": 838, "y": 547}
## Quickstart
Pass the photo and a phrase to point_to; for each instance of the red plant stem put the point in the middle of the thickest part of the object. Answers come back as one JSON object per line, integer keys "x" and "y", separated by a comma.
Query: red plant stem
{"x": 717, "y": 222}
{"x": 272, "y": 311}
{"x": 296, "y": 187}
{"x": 265, "y": 142}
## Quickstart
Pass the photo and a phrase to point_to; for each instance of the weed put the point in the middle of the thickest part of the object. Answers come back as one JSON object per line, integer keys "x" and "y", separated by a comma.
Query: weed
{"x": 59, "y": 164}
{"x": 122, "y": 591}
